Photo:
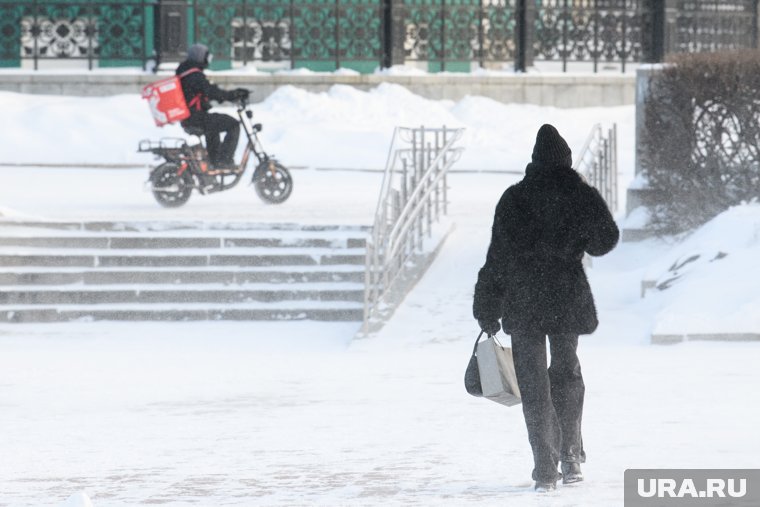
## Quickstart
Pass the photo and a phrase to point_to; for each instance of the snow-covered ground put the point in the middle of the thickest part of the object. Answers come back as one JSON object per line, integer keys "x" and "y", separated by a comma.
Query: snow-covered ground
{"x": 299, "y": 413}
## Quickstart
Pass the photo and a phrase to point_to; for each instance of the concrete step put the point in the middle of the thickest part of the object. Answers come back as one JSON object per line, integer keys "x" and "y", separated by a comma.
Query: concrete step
{"x": 141, "y": 313}
{"x": 104, "y": 276}
{"x": 169, "y": 226}
{"x": 630, "y": 235}
{"x": 109, "y": 259}
{"x": 100, "y": 242}
{"x": 133, "y": 271}
{"x": 189, "y": 294}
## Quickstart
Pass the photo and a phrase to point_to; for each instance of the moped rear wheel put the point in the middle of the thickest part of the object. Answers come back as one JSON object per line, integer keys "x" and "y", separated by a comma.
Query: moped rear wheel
{"x": 272, "y": 182}
{"x": 169, "y": 188}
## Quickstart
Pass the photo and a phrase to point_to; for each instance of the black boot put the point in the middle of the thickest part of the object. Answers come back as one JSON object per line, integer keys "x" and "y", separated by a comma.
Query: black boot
{"x": 571, "y": 472}
{"x": 545, "y": 487}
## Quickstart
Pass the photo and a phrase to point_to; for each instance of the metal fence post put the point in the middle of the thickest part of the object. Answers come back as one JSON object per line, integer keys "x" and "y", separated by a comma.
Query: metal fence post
{"x": 337, "y": 34}
{"x": 443, "y": 35}
{"x": 565, "y": 20}
{"x": 653, "y": 32}
{"x": 596, "y": 35}
{"x": 625, "y": 38}
{"x": 394, "y": 32}
{"x": 145, "y": 36}
{"x": 481, "y": 34}
{"x": 521, "y": 35}
{"x": 754, "y": 24}
{"x": 244, "y": 31}
{"x": 90, "y": 24}
{"x": 525, "y": 17}
{"x": 35, "y": 33}
{"x": 293, "y": 36}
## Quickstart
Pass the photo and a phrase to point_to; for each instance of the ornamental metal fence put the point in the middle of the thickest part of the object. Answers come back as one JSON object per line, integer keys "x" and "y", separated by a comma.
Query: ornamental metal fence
{"x": 109, "y": 33}
{"x": 321, "y": 34}
{"x": 366, "y": 34}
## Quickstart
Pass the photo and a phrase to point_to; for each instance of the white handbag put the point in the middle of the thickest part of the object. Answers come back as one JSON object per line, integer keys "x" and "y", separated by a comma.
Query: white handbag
{"x": 496, "y": 370}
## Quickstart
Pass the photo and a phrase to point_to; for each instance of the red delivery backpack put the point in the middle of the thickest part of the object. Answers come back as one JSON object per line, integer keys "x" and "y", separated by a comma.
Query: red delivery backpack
{"x": 166, "y": 100}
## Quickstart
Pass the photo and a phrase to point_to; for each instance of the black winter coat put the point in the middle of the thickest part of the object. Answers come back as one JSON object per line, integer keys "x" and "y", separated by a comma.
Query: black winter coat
{"x": 198, "y": 90}
{"x": 533, "y": 278}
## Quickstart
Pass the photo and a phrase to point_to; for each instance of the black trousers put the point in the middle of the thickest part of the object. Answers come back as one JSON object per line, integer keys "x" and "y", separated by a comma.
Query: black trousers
{"x": 213, "y": 125}
{"x": 552, "y": 399}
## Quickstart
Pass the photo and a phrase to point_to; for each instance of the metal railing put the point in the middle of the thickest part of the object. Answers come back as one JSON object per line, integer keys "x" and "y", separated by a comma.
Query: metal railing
{"x": 364, "y": 34}
{"x": 105, "y": 32}
{"x": 412, "y": 198}
{"x": 597, "y": 163}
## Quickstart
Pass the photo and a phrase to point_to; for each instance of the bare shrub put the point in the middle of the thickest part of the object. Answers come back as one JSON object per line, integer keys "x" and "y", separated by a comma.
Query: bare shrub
{"x": 700, "y": 145}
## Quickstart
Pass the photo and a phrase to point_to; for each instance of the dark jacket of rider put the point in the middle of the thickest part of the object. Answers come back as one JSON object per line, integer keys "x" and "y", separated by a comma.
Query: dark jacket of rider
{"x": 198, "y": 90}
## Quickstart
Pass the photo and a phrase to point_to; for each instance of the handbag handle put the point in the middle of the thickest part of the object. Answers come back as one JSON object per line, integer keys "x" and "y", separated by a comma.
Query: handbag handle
{"x": 475, "y": 348}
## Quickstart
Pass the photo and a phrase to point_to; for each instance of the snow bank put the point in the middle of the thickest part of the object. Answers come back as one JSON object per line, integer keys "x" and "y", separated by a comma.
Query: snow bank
{"x": 255, "y": 413}
{"x": 708, "y": 282}
{"x": 78, "y": 500}
{"x": 340, "y": 128}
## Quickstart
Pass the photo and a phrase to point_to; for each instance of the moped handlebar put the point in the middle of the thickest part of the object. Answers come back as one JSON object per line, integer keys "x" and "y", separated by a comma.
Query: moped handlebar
{"x": 241, "y": 97}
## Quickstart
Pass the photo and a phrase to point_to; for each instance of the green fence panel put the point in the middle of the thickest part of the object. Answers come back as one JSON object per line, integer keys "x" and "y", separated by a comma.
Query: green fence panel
{"x": 263, "y": 32}
{"x": 122, "y": 33}
{"x": 104, "y": 32}
{"x": 10, "y": 34}
{"x": 314, "y": 35}
{"x": 329, "y": 34}
{"x": 58, "y": 30}
{"x": 213, "y": 27}
{"x": 498, "y": 29}
{"x": 360, "y": 31}
{"x": 443, "y": 33}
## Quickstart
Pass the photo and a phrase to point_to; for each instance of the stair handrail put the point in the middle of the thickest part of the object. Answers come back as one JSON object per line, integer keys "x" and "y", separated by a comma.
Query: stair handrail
{"x": 597, "y": 163}
{"x": 396, "y": 238}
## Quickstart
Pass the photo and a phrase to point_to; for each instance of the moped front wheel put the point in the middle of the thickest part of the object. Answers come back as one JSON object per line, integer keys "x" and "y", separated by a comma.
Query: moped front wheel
{"x": 272, "y": 182}
{"x": 169, "y": 188}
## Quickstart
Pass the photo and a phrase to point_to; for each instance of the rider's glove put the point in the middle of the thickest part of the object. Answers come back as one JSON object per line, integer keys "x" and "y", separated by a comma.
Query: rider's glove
{"x": 240, "y": 94}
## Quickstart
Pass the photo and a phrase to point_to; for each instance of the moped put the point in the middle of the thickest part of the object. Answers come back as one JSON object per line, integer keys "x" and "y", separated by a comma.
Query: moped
{"x": 186, "y": 167}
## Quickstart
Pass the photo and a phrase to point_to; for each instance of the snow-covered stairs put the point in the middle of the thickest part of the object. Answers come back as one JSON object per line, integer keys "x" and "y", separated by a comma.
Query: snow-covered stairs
{"x": 62, "y": 271}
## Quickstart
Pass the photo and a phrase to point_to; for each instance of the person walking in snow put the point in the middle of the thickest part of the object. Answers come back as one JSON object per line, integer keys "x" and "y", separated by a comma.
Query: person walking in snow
{"x": 198, "y": 93}
{"x": 533, "y": 280}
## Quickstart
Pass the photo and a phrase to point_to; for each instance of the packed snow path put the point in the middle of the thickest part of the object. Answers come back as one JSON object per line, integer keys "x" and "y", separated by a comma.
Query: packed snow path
{"x": 296, "y": 414}
{"x": 277, "y": 414}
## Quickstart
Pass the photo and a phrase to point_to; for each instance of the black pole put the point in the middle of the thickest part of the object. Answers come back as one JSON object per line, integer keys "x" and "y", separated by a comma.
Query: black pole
{"x": 625, "y": 37}
{"x": 245, "y": 35}
{"x": 394, "y": 32}
{"x": 337, "y": 34}
{"x": 385, "y": 34}
{"x": 520, "y": 32}
{"x": 653, "y": 34}
{"x": 196, "y": 35}
{"x": 481, "y": 45}
{"x": 144, "y": 42}
{"x": 596, "y": 36}
{"x": 293, "y": 36}
{"x": 91, "y": 24}
{"x": 443, "y": 35}
{"x": 35, "y": 34}
{"x": 565, "y": 13}
{"x": 754, "y": 24}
